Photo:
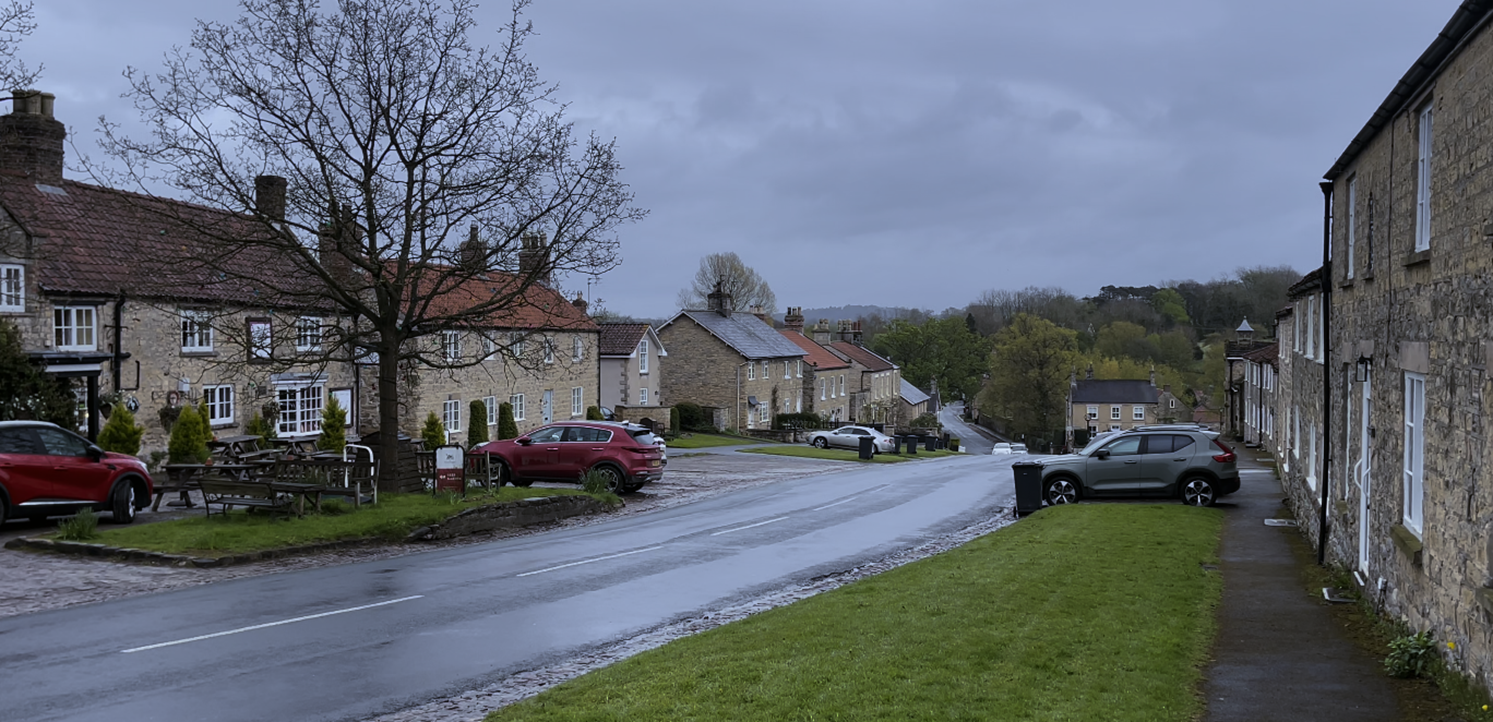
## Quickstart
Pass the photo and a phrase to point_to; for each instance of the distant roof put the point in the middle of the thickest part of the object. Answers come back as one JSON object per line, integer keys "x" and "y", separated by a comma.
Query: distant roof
{"x": 860, "y": 355}
{"x": 1264, "y": 354}
{"x": 912, "y": 394}
{"x": 621, "y": 339}
{"x": 528, "y": 307}
{"x": 1122, "y": 391}
{"x": 1310, "y": 282}
{"x": 750, "y": 336}
{"x": 1245, "y": 327}
{"x": 818, "y": 356}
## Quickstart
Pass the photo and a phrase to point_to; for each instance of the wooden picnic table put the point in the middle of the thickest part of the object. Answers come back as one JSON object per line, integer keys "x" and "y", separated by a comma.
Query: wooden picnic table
{"x": 183, "y": 478}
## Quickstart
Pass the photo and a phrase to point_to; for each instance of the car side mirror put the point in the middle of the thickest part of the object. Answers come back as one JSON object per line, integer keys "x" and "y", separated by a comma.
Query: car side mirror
{"x": 1102, "y": 454}
{"x": 524, "y": 441}
{"x": 95, "y": 453}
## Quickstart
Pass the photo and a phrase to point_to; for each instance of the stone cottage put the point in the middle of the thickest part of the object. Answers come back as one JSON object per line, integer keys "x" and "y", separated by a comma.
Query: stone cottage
{"x": 631, "y": 366}
{"x": 821, "y": 372}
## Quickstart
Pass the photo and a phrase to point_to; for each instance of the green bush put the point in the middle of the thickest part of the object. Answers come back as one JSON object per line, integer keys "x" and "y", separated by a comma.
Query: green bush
{"x": 594, "y": 482}
{"x": 593, "y": 413}
{"x": 693, "y": 417}
{"x": 925, "y": 421}
{"x": 121, "y": 434}
{"x": 507, "y": 427}
{"x": 25, "y": 391}
{"x": 333, "y": 426}
{"x": 674, "y": 420}
{"x": 81, "y": 526}
{"x": 189, "y": 437}
{"x": 1411, "y": 656}
{"x": 258, "y": 426}
{"x": 477, "y": 423}
{"x": 434, "y": 432}
{"x": 804, "y": 420}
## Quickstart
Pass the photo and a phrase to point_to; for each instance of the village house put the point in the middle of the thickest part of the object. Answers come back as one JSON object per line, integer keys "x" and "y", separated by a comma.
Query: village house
{"x": 912, "y": 402}
{"x": 875, "y": 382}
{"x": 1111, "y": 405}
{"x": 821, "y": 371}
{"x": 1405, "y": 485}
{"x": 1258, "y": 395}
{"x": 734, "y": 362}
{"x": 631, "y": 367}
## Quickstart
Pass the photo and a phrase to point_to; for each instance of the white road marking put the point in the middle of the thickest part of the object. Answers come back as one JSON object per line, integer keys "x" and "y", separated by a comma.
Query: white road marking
{"x": 270, "y": 624}
{"x": 589, "y": 561}
{"x": 749, "y": 526}
{"x": 853, "y": 498}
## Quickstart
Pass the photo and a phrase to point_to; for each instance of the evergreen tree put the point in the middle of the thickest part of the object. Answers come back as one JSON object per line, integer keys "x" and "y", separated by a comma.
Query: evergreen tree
{"x": 26, "y": 393}
{"x": 434, "y": 432}
{"x": 477, "y": 423}
{"x": 674, "y": 419}
{"x": 189, "y": 435}
{"x": 593, "y": 413}
{"x": 258, "y": 426}
{"x": 507, "y": 427}
{"x": 121, "y": 434}
{"x": 333, "y": 427}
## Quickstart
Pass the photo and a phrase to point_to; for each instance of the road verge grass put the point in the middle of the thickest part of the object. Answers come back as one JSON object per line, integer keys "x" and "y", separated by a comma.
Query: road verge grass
{"x": 1080, "y": 612}
{"x": 240, "y": 531}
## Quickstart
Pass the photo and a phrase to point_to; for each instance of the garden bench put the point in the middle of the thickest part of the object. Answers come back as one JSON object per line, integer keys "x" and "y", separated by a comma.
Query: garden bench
{"x": 226, "y": 492}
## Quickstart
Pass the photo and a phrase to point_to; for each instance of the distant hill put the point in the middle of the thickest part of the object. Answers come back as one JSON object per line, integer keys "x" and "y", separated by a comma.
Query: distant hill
{"x": 854, "y": 312}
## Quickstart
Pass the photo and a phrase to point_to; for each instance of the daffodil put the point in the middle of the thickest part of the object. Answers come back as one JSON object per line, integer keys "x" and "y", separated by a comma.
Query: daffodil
{"x": 1451, "y": 645}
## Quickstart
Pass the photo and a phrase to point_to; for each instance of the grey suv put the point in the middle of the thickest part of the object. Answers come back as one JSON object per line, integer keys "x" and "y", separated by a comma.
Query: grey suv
{"x": 1189, "y": 464}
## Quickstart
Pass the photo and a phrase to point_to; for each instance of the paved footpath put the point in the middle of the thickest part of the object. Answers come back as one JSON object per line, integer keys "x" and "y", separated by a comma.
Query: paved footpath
{"x": 1279, "y": 654}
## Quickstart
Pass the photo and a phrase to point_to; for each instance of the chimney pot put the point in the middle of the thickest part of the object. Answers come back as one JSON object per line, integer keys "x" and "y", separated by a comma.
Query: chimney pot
{"x": 31, "y": 140}
{"x": 269, "y": 196}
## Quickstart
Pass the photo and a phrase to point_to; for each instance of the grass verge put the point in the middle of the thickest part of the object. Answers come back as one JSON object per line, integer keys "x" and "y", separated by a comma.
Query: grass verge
{"x": 1028, "y": 623}
{"x": 810, "y": 452}
{"x": 702, "y": 441}
{"x": 239, "y": 531}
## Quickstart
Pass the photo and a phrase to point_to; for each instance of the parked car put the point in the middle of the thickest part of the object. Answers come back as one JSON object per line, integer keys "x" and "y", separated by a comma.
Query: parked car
{"x": 643, "y": 433}
{"x": 1189, "y": 464}
{"x": 46, "y": 470}
{"x": 1018, "y": 448}
{"x": 849, "y": 437}
{"x": 626, "y": 453}
{"x": 1001, "y": 448}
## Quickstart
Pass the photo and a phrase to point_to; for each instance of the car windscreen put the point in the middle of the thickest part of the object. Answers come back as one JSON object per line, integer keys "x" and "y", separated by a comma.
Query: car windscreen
{"x": 644, "y": 436}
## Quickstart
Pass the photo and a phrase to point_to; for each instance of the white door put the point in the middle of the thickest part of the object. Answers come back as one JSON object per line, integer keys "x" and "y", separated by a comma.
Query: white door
{"x": 1364, "y": 467}
{"x": 548, "y": 408}
{"x": 345, "y": 400}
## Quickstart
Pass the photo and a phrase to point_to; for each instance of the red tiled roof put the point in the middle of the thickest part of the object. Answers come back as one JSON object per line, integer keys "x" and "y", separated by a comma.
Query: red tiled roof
{"x": 621, "y": 339}
{"x": 1265, "y": 354}
{"x": 819, "y": 357}
{"x": 535, "y": 306}
{"x": 860, "y": 355}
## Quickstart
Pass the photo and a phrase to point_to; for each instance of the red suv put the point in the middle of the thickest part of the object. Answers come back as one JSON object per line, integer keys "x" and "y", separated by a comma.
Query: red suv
{"x": 46, "y": 470}
{"x": 627, "y": 453}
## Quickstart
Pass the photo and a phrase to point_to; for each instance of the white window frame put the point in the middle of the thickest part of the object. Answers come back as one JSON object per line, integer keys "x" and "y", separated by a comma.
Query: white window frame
{"x": 1352, "y": 223}
{"x": 1415, "y": 451}
{"x": 492, "y": 409}
{"x": 517, "y": 402}
{"x": 300, "y": 409}
{"x": 643, "y": 357}
{"x": 70, "y": 332}
{"x": 517, "y": 343}
{"x": 577, "y": 348}
{"x": 643, "y": 396}
{"x": 12, "y": 288}
{"x": 1137, "y": 413}
{"x": 308, "y": 333}
{"x": 1321, "y": 344}
{"x": 821, "y": 389}
{"x": 1114, "y": 413}
{"x": 549, "y": 350}
{"x": 751, "y": 371}
{"x": 799, "y": 369}
{"x": 787, "y": 369}
{"x": 1423, "y": 180}
{"x": 196, "y": 331}
{"x": 451, "y": 346}
{"x": 577, "y": 401}
{"x": 260, "y": 335}
{"x": 489, "y": 347}
{"x": 1311, "y": 458}
{"x": 451, "y": 417}
{"x": 1093, "y": 412}
{"x": 219, "y": 400}
{"x": 842, "y": 384}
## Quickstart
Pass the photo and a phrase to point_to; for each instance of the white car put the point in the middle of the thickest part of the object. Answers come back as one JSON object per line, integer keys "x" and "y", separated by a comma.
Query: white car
{"x": 849, "y": 437}
{"x": 1018, "y": 448}
{"x": 1001, "y": 448}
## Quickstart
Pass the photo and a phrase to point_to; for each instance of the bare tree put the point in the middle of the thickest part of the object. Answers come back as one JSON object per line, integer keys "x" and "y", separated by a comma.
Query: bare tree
{"x": 399, "y": 169}
{"x": 747, "y": 288}
{"x": 16, "y": 22}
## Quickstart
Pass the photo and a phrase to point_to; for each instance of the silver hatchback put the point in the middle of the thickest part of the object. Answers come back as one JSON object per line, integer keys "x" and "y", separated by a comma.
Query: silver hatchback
{"x": 1191, "y": 465}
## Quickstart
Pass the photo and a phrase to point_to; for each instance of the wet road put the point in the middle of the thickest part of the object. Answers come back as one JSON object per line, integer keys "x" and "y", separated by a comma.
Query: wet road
{"x": 351, "y": 642}
{"x": 975, "y": 441}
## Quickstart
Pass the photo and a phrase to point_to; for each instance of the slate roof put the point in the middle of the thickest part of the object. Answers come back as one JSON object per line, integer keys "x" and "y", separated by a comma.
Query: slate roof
{"x": 749, "y": 335}
{"x": 912, "y": 394}
{"x": 1265, "y": 354}
{"x": 1091, "y": 391}
{"x": 860, "y": 355}
{"x": 621, "y": 339}
{"x": 818, "y": 356}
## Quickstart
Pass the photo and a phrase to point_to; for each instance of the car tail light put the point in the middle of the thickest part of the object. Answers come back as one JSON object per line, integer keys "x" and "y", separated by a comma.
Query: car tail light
{"x": 1227, "y": 456}
{"x": 642, "y": 449}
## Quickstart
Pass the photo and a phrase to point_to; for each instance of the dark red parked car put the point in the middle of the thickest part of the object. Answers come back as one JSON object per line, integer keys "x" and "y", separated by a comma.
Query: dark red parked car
{"x": 46, "y": 470}
{"x": 626, "y": 453}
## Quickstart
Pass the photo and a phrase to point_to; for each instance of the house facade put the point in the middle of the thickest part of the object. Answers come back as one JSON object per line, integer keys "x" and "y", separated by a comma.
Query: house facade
{"x": 1258, "y": 395}
{"x": 1411, "y": 300}
{"x": 731, "y": 361}
{"x": 876, "y": 382}
{"x": 631, "y": 366}
{"x": 824, "y": 375}
{"x": 1112, "y": 405}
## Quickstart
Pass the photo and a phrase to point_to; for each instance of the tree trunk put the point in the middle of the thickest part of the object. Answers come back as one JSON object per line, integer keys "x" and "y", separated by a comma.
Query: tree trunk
{"x": 388, "y": 410}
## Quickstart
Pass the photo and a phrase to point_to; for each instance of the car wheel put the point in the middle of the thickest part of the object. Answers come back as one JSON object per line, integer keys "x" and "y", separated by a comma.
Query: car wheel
{"x": 615, "y": 482}
{"x": 821, "y": 443}
{"x": 502, "y": 476}
{"x": 1198, "y": 491}
{"x": 1061, "y": 490}
{"x": 124, "y": 503}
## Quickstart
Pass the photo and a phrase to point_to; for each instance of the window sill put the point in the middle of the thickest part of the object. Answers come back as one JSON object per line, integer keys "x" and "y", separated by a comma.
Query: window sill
{"x": 222, "y": 424}
{"x": 1366, "y": 276}
{"x": 198, "y": 353}
{"x": 1418, "y": 257}
{"x": 1348, "y": 283}
{"x": 1407, "y": 542}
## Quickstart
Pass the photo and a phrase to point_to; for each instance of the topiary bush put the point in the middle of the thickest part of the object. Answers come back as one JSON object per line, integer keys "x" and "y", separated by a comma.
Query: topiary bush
{"x": 477, "y": 423}
{"x": 189, "y": 436}
{"x": 121, "y": 434}
{"x": 693, "y": 417}
{"x": 258, "y": 426}
{"x": 333, "y": 426}
{"x": 674, "y": 419}
{"x": 507, "y": 427}
{"x": 434, "y": 432}
{"x": 593, "y": 413}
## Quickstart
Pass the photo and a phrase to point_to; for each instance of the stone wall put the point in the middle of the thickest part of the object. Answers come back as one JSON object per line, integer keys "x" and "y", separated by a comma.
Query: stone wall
{"x": 511, "y": 515}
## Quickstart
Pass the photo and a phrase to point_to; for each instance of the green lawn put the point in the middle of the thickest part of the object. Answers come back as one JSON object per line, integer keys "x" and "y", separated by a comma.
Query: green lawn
{"x": 394, "y": 517}
{"x": 701, "y": 441}
{"x": 809, "y": 452}
{"x": 1080, "y": 612}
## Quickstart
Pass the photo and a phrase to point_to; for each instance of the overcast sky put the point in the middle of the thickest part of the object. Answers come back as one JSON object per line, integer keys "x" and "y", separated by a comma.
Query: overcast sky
{"x": 913, "y": 153}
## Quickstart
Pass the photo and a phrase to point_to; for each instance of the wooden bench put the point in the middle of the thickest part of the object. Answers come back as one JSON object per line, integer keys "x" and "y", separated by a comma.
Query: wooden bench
{"x": 226, "y": 492}
{"x": 354, "y": 479}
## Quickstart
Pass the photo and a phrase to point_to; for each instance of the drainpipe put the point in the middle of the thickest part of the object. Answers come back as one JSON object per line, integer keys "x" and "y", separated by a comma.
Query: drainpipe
{"x": 116, "y": 364}
{"x": 1326, "y": 366}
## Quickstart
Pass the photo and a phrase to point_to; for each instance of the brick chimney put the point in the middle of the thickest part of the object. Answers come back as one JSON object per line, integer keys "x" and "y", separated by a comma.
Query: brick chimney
{"x": 844, "y": 330}
{"x": 761, "y": 314}
{"x": 719, "y": 301}
{"x": 821, "y": 332}
{"x": 533, "y": 259}
{"x": 269, "y": 197}
{"x": 31, "y": 139}
{"x": 471, "y": 253}
{"x": 794, "y": 319}
{"x": 855, "y": 332}
{"x": 337, "y": 241}
{"x": 580, "y": 303}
